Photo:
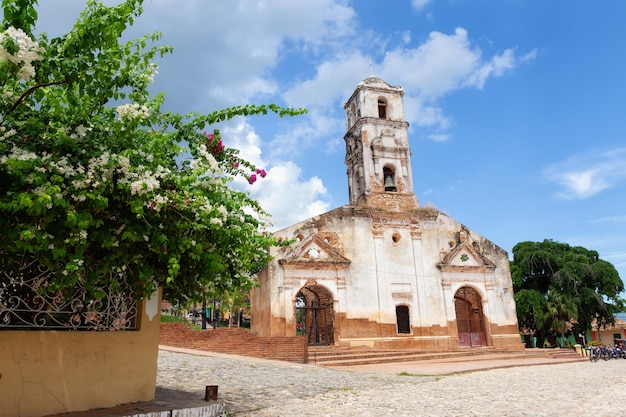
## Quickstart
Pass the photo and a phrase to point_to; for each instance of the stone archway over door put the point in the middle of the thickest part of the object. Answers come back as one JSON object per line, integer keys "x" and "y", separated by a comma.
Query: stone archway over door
{"x": 469, "y": 318}
{"x": 315, "y": 315}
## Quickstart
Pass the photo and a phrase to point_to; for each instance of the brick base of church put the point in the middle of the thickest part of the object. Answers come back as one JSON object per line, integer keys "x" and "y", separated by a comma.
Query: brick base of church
{"x": 234, "y": 341}
{"x": 444, "y": 343}
{"x": 295, "y": 348}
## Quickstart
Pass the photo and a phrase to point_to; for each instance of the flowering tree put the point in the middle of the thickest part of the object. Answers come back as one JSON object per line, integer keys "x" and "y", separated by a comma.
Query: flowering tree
{"x": 96, "y": 181}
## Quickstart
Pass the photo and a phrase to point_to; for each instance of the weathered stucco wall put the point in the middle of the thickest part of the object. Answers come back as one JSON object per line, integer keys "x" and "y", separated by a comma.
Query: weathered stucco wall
{"x": 394, "y": 260}
{"x": 52, "y": 372}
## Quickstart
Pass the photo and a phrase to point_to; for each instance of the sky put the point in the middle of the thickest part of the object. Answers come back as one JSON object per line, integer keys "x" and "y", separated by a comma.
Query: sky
{"x": 516, "y": 108}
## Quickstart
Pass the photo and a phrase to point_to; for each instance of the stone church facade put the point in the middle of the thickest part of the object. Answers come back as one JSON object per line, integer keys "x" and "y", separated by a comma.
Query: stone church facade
{"x": 382, "y": 271}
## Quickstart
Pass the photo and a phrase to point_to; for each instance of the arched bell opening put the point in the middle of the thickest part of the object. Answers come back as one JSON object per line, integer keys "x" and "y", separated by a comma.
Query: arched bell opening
{"x": 390, "y": 179}
{"x": 382, "y": 108}
{"x": 315, "y": 315}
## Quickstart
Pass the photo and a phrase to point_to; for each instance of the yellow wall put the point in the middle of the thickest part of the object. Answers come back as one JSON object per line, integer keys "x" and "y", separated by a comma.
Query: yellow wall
{"x": 51, "y": 372}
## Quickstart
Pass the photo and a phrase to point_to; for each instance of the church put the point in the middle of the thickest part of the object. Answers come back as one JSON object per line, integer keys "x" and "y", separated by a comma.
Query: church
{"x": 382, "y": 271}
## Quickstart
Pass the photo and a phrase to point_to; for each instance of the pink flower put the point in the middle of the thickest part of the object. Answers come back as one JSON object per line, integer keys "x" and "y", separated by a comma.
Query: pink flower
{"x": 216, "y": 148}
{"x": 252, "y": 179}
{"x": 261, "y": 172}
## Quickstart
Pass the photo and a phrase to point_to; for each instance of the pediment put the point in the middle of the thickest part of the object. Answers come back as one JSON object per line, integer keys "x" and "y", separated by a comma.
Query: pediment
{"x": 464, "y": 257}
{"x": 313, "y": 252}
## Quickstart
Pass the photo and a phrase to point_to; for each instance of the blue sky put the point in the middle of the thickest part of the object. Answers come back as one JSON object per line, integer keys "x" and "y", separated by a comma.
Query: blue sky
{"x": 516, "y": 108}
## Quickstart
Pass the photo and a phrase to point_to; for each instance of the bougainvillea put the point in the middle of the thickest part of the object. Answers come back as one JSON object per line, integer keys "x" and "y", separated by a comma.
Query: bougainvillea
{"x": 96, "y": 179}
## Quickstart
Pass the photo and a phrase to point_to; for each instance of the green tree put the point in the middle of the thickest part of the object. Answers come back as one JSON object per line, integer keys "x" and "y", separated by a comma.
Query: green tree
{"x": 97, "y": 182}
{"x": 233, "y": 301}
{"x": 560, "y": 314}
{"x": 555, "y": 282}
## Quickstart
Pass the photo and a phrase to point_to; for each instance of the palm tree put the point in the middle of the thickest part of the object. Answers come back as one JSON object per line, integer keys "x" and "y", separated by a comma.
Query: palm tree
{"x": 233, "y": 300}
{"x": 561, "y": 310}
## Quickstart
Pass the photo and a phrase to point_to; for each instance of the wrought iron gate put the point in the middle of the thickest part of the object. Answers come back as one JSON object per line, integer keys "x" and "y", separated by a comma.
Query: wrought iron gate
{"x": 316, "y": 324}
{"x": 312, "y": 321}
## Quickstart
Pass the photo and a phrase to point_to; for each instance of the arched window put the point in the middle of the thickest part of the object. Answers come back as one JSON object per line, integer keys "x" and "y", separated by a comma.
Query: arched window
{"x": 402, "y": 319}
{"x": 389, "y": 177}
{"x": 382, "y": 108}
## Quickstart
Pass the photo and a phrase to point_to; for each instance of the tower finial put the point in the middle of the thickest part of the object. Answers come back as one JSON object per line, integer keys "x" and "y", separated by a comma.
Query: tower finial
{"x": 371, "y": 70}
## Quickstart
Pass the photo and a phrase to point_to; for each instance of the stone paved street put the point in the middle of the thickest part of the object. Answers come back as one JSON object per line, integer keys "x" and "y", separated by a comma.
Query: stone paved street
{"x": 255, "y": 387}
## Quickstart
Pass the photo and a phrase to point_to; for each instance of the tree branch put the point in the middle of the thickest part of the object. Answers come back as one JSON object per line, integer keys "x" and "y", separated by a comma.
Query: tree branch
{"x": 30, "y": 91}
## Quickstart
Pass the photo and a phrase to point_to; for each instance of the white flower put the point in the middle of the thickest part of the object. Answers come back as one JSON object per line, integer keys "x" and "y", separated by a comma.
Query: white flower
{"x": 80, "y": 132}
{"x": 132, "y": 111}
{"x": 222, "y": 211}
{"x": 27, "y": 52}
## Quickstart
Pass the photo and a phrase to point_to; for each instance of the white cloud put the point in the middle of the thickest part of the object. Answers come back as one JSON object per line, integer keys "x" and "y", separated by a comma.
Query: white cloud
{"x": 496, "y": 67}
{"x": 440, "y": 65}
{"x": 445, "y": 63}
{"x": 610, "y": 219}
{"x": 335, "y": 79}
{"x": 419, "y": 112}
{"x": 438, "y": 137}
{"x": 434, "y": 68}
{"x": 419, "y": 4}
{"x": 230, "y": 45}
{"x": 406, "y": 36}
{"x": 584, "y": 175}
{"x": 283, "y": 193}
{"x": 288, "y": 197}
{"x": 316, "y": 129}
{"x": 240, "y": 135}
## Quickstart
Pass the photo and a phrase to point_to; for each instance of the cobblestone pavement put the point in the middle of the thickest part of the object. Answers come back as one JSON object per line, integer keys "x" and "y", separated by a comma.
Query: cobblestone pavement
{"x": 254, "y": 387}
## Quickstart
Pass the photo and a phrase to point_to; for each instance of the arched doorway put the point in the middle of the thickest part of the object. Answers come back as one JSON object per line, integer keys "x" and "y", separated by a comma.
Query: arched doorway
{"x": 469, "y": 318}
{"x": 315, "y": 316}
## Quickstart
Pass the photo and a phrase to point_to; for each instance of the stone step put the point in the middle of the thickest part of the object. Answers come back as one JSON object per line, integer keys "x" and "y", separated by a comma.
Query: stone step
{"x": 562, "y": 353}
{"x": 347, "y": 357}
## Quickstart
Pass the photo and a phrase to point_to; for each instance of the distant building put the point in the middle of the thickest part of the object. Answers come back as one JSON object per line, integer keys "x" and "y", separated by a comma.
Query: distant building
{"x": 382, "y": 271}
{"x": 608, "y": 334}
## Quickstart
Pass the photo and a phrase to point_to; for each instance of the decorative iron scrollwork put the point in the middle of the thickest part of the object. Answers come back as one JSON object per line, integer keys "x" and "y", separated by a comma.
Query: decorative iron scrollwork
{"x": 26, "y": 303}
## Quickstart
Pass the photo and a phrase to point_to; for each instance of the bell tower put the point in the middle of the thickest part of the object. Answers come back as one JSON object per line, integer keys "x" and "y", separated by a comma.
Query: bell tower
{"x": 378, "y": 156}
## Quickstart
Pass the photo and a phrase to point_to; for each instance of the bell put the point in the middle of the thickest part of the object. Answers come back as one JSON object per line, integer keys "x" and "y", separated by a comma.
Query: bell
{"x": 389, "y": 185}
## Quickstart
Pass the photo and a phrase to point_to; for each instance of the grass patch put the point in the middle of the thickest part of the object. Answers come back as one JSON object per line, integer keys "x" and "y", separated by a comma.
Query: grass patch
{"x": 410, "y": 374}
{"x": 170, "y": 319}
{"x": 174, "y": 319}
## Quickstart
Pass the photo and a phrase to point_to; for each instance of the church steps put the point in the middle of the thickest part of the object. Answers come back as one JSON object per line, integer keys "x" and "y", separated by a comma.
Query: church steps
{"x": 562, "y": 353}
{"x": 346, "y": 357}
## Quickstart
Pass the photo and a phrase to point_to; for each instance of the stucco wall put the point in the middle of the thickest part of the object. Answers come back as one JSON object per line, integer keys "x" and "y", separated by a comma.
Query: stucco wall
{"x": 51, "y": 372}
{"x": 394, "y": 261}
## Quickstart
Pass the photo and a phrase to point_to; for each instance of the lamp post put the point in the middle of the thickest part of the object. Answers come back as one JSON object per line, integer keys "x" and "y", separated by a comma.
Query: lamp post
{"x": 213, "y": 314}
{"x": 203, "y": 314}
